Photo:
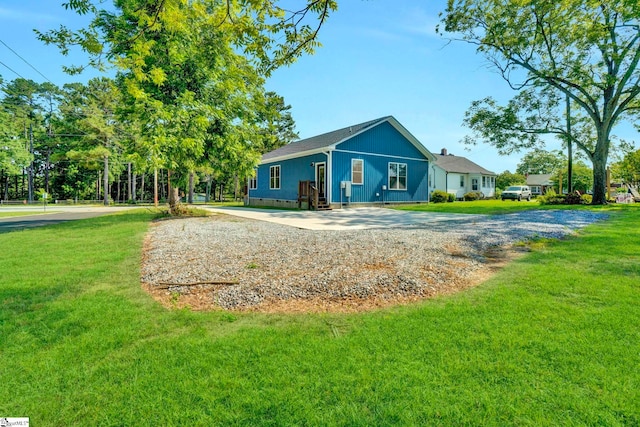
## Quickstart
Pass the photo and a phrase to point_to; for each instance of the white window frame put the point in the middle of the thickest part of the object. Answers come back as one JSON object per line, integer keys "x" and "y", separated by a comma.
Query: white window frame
{"x": 462, "y": 181}
{"x": 253, "y": 182}
{"x": 484, "y": 182}
{"x": 353, "y": 163}
{"x": 273, "y": 176}
{"x": 477, "y": 184}
{"x": 398, "y": 176}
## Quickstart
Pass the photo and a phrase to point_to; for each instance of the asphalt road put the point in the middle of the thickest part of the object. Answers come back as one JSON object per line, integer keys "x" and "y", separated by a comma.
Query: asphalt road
{"x": 17, "y": 223}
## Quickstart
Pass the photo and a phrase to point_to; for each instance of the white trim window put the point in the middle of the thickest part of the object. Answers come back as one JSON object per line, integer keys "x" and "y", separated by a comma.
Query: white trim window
{"x": 461, "y": 181}
{"x": 357, "y": 171}
{"x": 397, "y": 176}
{"x": 274, "y": 177}
{"x": 474, "y": 184}
{"x": 253, "y": 182}
{"x": 484, "y": 182}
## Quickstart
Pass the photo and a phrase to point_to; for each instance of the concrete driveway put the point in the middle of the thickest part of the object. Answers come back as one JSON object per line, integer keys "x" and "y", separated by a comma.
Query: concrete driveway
{"x": 351, "y": 218}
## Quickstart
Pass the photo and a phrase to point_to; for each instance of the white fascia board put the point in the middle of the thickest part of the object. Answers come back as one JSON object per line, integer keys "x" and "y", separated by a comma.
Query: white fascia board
{"x": 296, "y": 155}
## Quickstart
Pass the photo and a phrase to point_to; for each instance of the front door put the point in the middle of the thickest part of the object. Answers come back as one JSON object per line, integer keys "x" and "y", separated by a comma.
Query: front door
{"x": 321, "y": 178}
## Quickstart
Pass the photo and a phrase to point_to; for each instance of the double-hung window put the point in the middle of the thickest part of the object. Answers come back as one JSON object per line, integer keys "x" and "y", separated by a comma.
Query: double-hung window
{"x": 357, "y": 171}
{"x": 397, "y": 176}
{"x": 253, "y": 182}
{"x": 274, "y": 177}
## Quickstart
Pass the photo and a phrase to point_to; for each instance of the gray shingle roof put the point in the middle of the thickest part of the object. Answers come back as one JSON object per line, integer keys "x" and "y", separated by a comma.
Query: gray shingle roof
{"x": 540, "y": 179}
{"x": 451, "y": 163}
{"x": 321, "y": 141}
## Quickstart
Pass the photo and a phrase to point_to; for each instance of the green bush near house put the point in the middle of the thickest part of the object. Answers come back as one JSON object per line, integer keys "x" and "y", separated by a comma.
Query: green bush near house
{"x": 451, "y": 197}
{"x": 471, "y": 196}
{"x": 439, "y": 196}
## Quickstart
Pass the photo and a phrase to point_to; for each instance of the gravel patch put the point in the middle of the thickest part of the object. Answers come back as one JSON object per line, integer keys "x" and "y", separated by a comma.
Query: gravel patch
{"x": 287, "y": 268}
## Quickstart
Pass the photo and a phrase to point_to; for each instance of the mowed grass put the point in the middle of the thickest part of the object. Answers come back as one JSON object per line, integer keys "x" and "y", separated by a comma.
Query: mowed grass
{"x": 553, "y": 339}
{"x": 488, "y": 207}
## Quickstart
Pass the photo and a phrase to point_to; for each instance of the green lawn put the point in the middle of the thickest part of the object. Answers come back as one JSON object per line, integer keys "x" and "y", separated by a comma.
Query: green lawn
{"x": 554, "y": 339}
{"x": 489, "y": 207}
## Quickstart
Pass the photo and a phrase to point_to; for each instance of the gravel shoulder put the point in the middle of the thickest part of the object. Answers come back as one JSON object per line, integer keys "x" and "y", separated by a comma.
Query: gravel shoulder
{"x": 244, "y": 264}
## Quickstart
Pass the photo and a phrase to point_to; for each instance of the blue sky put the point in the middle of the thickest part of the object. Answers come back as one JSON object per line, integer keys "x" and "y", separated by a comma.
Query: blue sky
{"x": 379, "y": 58}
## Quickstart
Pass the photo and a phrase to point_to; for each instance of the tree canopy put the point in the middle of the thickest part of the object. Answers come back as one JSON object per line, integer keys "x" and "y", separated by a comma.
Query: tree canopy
{"x": 192, "y": 73}
{"x": 585, "y": 51}
{"x": 541, "y": 162}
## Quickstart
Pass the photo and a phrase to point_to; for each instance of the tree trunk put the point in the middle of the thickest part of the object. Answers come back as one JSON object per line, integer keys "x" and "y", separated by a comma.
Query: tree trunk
{"x": 208, "y": 195}
{"x": 599, "y": 181}
{"x": 599, "y": 159}
{"x": 105, "y": 189}
{"x": 133, "y": 188}
{"x": 118, "y": 190}
{"x": 155, "y": 187}
{"x": 6, "y": 185}
{"x": 141, "y": 195}
{"x": 190, "y": 198}
{"x": 174, "y": 197}
{"x": 129, "y": 185}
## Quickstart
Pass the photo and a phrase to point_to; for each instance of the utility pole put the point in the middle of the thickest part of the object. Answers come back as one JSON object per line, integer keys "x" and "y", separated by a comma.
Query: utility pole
{"x": 569, "y": 149}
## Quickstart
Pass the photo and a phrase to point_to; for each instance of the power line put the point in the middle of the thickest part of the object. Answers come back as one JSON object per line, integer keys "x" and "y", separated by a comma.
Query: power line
{"x": 11, "y": 69}
{"x": 25, "y": 61}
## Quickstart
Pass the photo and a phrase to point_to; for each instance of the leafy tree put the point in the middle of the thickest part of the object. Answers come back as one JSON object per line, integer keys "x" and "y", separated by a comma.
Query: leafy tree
{"x": 552, "y": 50}
{"x": 192, "y": 72}
{"x": 14, "y": 157}
{"x": 277, "y": 125}
{"x": 22, "y": 101}
{"x": 628, "y": 169}
{"x": 582, "y": 178}
{"x": 506, "y": 179}
{"x": 89, "y": 112}
{"x": 541, "y": 162}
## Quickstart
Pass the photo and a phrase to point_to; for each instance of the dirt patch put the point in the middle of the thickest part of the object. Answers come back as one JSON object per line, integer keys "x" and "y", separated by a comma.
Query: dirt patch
{"x": 202, "y": 297}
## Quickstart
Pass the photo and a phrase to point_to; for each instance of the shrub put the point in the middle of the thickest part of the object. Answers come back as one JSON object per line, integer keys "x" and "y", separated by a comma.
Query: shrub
{"x": 451, "y": 197}
{"x": 471, "y": 196}
{"x": 551, "y": 198}
{"x": 439, "y": 196}
{"x": 573, "y": 199}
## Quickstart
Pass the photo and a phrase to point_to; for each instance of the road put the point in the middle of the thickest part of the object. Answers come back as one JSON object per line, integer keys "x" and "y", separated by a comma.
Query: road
{"x": 53, "y": 215}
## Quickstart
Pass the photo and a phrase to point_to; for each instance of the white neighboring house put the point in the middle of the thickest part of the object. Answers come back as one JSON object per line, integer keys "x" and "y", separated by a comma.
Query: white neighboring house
{"x": 459, "y": 175}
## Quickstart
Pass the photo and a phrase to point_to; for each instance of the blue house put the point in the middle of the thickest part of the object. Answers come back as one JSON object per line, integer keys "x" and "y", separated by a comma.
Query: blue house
{"x": 378, "y": 161}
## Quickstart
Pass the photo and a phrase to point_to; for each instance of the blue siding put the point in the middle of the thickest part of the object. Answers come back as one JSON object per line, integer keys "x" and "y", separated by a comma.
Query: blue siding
{"x": 382, "y": 139}
{"x": 291, "y": 172}
{"x": 376, "y": 175}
